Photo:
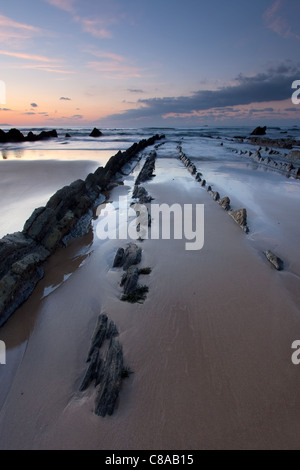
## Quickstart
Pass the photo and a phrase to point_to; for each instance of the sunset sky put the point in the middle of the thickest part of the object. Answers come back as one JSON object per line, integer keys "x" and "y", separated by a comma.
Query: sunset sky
{"x": 145, "y": 63}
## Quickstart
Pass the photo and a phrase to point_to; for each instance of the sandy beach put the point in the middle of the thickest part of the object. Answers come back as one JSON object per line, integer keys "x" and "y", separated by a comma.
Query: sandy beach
{"x": 210, "y": 347}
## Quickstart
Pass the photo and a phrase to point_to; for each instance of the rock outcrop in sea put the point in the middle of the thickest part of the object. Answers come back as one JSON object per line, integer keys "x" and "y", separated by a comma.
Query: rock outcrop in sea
{"x": 15, "y": 136}
{"x": 259, "y": 131}
{"x": 96, "y": 133}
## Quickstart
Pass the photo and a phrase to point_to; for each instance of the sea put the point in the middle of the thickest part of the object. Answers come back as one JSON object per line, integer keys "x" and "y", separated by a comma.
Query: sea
{"x": 81, "y": 145}
{"x": 31, "y": 172}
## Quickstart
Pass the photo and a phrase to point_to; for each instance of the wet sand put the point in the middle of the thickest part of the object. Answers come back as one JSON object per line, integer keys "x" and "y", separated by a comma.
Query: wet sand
{"x": 37, "y": 181}
{"x": 210, "y": 347}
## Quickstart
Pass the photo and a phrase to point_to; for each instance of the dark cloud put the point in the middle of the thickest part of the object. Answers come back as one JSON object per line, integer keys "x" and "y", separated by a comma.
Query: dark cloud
{"x": 292, "y": 109}
{"x": 273, "y": 85}
{"x": 77, "y": 116}
{"x": 29, "y": 114}
{"x": 135, "y": 90}
{"x": 263, "y": 110}
{"x": 33, "y": 105}
{"x": 65, "y": 99}
{"x": 5, "y": 109}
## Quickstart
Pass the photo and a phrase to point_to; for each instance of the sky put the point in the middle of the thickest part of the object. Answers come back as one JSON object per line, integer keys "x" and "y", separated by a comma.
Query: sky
{"x": 144, "y": 63}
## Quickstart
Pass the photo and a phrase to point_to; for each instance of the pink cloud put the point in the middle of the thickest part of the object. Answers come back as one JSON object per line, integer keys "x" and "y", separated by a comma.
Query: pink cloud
{"x": 66, "y": 5}
{"x": 14, "y": 33}
{"x": 113, "y": 65}
{"x": 9, "y": 23}
{"x": 276, "y": 22}
{"x": 20, "y": 55}
{"x": 46, "y": 68}
{"x": 106, "y": 55}
{"x": 94, "y": 27}
{"x": 115, "y": 69}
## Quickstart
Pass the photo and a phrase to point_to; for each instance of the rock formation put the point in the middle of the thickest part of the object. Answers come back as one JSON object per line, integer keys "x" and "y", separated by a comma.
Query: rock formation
{"x": 95, "y": 133}
{"x": 106, "y": 369}
{"x": 128, "y": 260}
{"x": 240, "y": 217}
{"x": 147, "y": 170}
{"x": 14, "y": 136}
{"x": 67, "y": 214}
{"x": 259, "y": 131}
{"x": 276, "y": 262}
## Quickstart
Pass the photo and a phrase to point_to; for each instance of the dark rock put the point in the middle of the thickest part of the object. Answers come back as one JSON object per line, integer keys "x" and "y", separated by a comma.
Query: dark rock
{"x": 274, "y": 260}
{"x": 111, "y": 380}
{"x": 147, "y": 170}
{"x": 130, "y": 280}
{"x": 95, "y": 133}
{"x": 216, "y": 196}
{"x": 68, "y": 136}
{"x": 99, "y": 335}
{"x": 294, "y": 156}
{"x": 81, "y": 228}
{"x": 44, "y": 135}
{"x": 203, "y": 183}
{"x": 14, "y": 135}
{"x": 39, "y": 223}
{"x": 142, "y": 195}
{"x": 192, "y": 169}
{"x": 240, "y": 217}
{"x": 12, "y": 248}
{"x": 133, "y": 256}
{"x": 66, "y": 198}
{"x": 278, "y": 143}
{"x": 2, "y": 136}
{"x": 119, "y": 258}
{"x": 91, "y": 371}
{"x": 31, "y": 137}
{"x": 112, "y": 330}
{"x": 17, "y": 285}
{"x": 259, "y": 131}
{"x": 225, "y": 203}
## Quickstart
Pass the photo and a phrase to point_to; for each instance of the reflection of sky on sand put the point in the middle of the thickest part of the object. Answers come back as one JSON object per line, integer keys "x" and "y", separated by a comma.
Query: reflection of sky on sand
{"x": 100, "y": 156}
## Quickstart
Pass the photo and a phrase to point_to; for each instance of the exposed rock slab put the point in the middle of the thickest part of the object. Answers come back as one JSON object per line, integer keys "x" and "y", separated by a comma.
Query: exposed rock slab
{"x": 240, "y": 217}
{"x": 106, "y": 369}
{"x": 225, "y": 203}
{"x": 148, "y": 169}
{"x": 142, "y": 195}
{"x": 119, "y": 258}
{"x": 111, "y": 380}
{"x": 274, "y": 260}
{"x": 133, "y": 256}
